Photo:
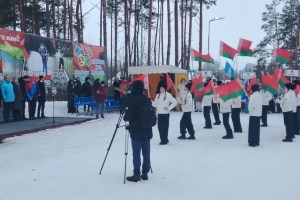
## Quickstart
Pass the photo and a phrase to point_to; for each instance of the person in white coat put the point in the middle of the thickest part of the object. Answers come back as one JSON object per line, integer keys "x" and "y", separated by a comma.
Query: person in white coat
{"x": 186, "y": 101}
{"x": 235, "y": 114}
{"x": 206, "y": 103}
{"x": 216, "y": 105}
{"x": 297, "y": 122}
{"x": 288, "y": 104}
{"x": 225, "y": 109}
{"x": 255, "y": 113}
{"x": 267, "y": 97}
{"x": 164, "y": 102}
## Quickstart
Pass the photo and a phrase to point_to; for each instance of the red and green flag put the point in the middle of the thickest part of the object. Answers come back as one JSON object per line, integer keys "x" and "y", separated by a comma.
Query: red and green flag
{"x": 251, "y": 83}
{"x": 197, "y": 56}
{"x": 208, "y": 90}
{"x": 231, "y": 90}
{"x": 123, "y": 87}
{"x": 227, "y": 51}
{"x": 197, "y": 83}
{"x": 244, "y": 48}
{"x": 283, "y": 80}
{"x": 282, "y": 55}
{"x": 279, "y": 76}
{"x": 269, "y": 83}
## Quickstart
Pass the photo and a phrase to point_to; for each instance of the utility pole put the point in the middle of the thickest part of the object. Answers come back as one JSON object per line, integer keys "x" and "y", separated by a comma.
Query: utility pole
{"x": 298, "y": 40}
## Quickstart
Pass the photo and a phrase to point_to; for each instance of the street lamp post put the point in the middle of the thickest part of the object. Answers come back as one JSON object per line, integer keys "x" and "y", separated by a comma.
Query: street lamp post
{"x": 212, "y": 20}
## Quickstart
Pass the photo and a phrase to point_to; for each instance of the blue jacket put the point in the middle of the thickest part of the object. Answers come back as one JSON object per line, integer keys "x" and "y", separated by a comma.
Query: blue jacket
{"x": 7, "y": 91}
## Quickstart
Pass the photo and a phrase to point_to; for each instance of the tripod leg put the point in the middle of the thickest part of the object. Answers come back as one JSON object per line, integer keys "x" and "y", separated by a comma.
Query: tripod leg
{"x": 126, "y": 153}
{"x": 112, "y": 139}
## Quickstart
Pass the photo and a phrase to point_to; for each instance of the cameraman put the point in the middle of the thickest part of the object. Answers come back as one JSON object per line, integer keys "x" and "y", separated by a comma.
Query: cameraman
{"x": 140, "y": 137}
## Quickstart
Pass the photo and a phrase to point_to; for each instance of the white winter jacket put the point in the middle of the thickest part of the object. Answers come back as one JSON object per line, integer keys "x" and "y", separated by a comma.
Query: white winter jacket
{"x": 225, "y": 107}
{"x": 237, "y": 102}
{"x": 207, "y": 99}
{"x": 186, "y": 101}
{"x": 215, "y": 99}
{"x": 298, "y": 99}
{"x": 164, "y": 100}
{"x": 267, "y": 96}
{"x": 255, "y": 104}
{"x": 288, "y": 102}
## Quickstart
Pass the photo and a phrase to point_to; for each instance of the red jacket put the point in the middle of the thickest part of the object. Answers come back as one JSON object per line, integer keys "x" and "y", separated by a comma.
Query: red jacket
{"x": 100, "y": 93}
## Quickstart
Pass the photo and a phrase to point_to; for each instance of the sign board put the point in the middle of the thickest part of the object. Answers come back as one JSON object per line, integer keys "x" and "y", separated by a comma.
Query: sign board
{"x": 206, "y": 74}
{"x": 291, "y": 72}
{"x": 248, "y": 75}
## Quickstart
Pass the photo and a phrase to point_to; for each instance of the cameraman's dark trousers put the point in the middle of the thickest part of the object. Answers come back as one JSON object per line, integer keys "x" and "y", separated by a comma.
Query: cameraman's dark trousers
{"x": 163, "y": 127}
{"x": 138, "y": 146}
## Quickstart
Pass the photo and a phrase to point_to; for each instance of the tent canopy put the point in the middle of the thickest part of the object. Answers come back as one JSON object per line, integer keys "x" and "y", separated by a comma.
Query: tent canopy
{"x": 155, "y": 70}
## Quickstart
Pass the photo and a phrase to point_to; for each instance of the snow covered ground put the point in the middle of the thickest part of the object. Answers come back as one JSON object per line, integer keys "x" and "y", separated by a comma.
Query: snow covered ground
{"x": 64, "y": 164}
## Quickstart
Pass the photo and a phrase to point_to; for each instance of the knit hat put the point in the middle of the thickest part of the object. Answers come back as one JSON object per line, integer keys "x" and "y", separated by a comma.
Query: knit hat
{"x": 188, "y": 86}
{"x": 137, "y": 87}
{"x": 41, "y": 77}
{"x": 290, "y": 86}
{"x": 164, "y": 85}
{"x": 219, "y": 82}
{"x": 102, "y": 82}
{"x": 255, "y": 88}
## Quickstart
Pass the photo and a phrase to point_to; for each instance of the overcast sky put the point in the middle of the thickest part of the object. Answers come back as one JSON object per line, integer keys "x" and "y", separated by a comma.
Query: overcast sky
{"x": 242, "y": 20}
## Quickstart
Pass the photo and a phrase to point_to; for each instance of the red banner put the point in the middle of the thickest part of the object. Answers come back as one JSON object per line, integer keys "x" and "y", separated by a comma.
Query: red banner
{"x": 12, "y": 38}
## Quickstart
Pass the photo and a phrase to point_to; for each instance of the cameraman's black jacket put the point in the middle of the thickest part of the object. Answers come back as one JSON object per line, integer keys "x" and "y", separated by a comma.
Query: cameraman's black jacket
{"x": 132, "y": 115}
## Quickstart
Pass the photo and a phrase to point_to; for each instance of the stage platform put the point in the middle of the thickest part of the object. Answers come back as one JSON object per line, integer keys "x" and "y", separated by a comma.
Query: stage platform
{"x": 12, "y": 129}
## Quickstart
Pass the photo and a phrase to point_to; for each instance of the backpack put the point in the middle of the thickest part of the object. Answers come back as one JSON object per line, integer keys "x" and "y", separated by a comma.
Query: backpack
{"x": 147, "y": 114}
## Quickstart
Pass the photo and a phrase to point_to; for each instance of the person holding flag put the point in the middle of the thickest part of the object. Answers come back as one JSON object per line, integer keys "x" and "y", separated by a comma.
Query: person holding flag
{"x": 267, "y": 97}
{"x": 206, "y": 102}
{"x": 215, "y": 105}
{"x": 186, "y": 102}
{"x": 164, "y": 102}
{"x": 235, "y": 116}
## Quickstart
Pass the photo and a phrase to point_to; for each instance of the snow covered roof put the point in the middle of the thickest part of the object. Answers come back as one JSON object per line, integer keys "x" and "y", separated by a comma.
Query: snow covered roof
{"x": 156, "y": 69}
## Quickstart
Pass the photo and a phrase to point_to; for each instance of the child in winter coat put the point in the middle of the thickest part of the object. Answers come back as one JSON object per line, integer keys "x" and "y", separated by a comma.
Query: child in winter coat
{"x": 186, "y": 101}
{"x": 255, "y": 113}
{"x": 164, "y": 102}
{"x": 100, "y": 93}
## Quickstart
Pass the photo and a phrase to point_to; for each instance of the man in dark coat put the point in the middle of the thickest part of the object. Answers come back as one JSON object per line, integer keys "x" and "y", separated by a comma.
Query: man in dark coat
{"x": 140, "y": 137}
{"x": 77, "y": 87}
{"x": 41, "y": 92}
{"x": 17, "y": 106}
{"x": 87, "y": 90}
{"x": 22, "y": 82}
{"x": 70, "y": 90}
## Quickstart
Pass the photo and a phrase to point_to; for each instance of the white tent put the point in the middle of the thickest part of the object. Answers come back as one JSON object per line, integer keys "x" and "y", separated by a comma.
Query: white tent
{"x": 155, "y": 70}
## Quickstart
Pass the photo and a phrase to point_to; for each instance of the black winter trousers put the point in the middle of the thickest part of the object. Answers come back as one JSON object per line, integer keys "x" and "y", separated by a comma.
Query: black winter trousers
{"x": 236, "y": 121}
{"x": 298, "y": 119}
{"x": 206, "y": 113}
{"x": 41, "y": 108}
{"x": 288, "y": 120}
{"x": 186, "y": 123}
{"x": 226, "y": 124}
{"x": 23, "y": 109}
{"x": 254, "y": 131}
{"x": 31, "y": 108}
{"x": 264, "y": 117}
{"x": 215, "y": 109}
{"x": 163, "y": 127}
{"x": 295, "y": 123}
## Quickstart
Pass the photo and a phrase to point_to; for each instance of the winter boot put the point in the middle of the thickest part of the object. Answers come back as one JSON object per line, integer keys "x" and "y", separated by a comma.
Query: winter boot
{"x": 227, "y": 137}
{"x": 144, "y": 177}
{"x": 97, "y": 116}
{"x": 287, "y": 140}
{"x": 182, "y": 136}
{"x": 102, "y": 116}
{"x": 133, "y": 178}
{"x": 191, "y": 137}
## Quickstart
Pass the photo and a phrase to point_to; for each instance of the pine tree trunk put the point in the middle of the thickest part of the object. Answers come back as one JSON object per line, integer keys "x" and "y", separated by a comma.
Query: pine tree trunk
{"x": 190, "y": 35}
{"x": 156, "y": 31}
{"x": 184, "y": 40}
{"x": 200, "y": 31}
{"x": 105, "y": 33}
{"x": 22, "y": 20}
{"x": 169, "y": 32}
{"x": 149, "y": 32}
{"x": 78, "y": 21}
{"x": 116, "y": 38}
{"x": 176, "y": 31}
{"x": 126, "y": 40}
{"x": 162, "y": 33}
{"x": 182, "y": 35}
{"x": 70, "y": 6}
{"x": 47, "y": 18}
{"x": 65, "y": 19}
{"x": 101, "y": 23}
{"x": 53, "y": 19}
